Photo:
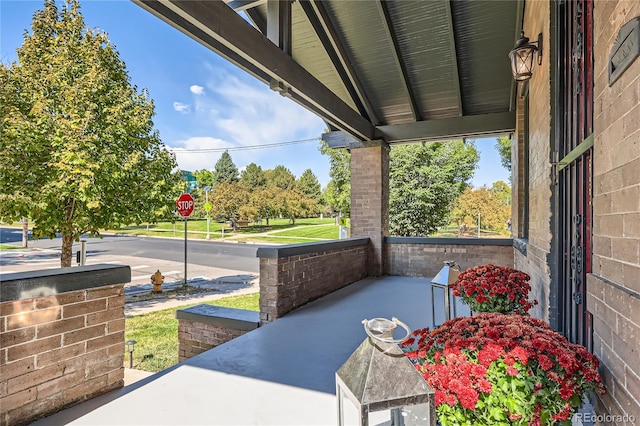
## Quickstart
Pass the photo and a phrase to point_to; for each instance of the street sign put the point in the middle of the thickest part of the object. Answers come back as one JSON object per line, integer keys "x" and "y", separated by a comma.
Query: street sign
{"x": 207, "y": 207}
{"x": 185, "y": 205}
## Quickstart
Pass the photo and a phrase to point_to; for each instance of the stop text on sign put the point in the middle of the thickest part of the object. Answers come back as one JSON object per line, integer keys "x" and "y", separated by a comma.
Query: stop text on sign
{"x": 185, "y": 205}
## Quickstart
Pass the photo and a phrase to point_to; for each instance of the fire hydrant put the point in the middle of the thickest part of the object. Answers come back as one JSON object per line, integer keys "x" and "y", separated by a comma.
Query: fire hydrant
{"x": 157, "y": 279}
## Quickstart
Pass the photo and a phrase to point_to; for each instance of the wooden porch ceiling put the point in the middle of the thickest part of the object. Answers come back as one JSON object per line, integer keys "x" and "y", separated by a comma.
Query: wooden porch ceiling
{"x": 399, "y": 71}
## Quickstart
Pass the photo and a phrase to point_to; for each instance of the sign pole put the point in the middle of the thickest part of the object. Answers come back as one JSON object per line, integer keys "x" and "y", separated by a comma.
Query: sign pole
{"x": 185, "y": 204}
{"x": 185, "y": 250}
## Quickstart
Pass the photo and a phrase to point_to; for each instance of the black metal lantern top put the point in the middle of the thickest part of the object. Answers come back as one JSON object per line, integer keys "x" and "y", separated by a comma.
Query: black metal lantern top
{"x": 522, "y": 57}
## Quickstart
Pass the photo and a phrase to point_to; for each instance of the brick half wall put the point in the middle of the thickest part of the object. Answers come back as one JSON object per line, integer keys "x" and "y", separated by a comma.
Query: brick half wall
{"x": 62, "y": 342}
{"x": 424, "y": 257}
{"x": 203, "y": 327}
{"x": 293, "y": 275}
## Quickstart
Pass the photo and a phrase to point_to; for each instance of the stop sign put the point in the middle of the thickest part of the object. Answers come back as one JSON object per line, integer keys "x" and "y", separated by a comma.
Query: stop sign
{"x": 185, "y": 205}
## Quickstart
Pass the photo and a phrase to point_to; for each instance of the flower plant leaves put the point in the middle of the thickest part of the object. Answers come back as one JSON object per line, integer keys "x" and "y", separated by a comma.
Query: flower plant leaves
{"x": 501, "y": 369}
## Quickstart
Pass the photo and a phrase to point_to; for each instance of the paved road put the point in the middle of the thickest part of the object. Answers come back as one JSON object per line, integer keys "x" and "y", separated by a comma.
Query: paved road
{"x": 235, "y": 256}
{"x": 210, "y": 264}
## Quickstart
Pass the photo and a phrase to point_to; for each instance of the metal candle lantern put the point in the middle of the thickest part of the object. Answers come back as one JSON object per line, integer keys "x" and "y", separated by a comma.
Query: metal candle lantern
{"x": 381, "y": 383}
{"x": 447, "y": 275}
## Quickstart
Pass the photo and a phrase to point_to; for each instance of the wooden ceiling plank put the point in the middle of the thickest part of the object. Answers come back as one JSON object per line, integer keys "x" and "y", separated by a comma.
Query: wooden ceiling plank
{"x": 319, "y": 18}
{"x": 456, "y": 76}
{"x": 402, "y": 70}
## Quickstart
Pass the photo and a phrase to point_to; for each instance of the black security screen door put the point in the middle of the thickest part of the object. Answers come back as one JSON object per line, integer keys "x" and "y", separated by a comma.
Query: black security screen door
{"x": 574, "y": 170}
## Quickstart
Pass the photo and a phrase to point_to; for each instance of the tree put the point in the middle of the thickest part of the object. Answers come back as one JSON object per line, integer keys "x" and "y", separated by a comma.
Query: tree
{"x": 79, "y": 152}
{"x": 489, "y": 204}
{"x": 225, "y": 170}
{"x": 308, "y": 184}
{"x": 253, "y": 177}
{"x": 295, "y": 204}
{"x": 265, "y": 203}
{"x": 338, "y": 192}
{"x": 204, "y": 178}
{"x": 227, "y": 199}
{"x": 503, "y": 145}
{"x": 280, "y": 177}
{"x": 424, "y": 181}
{"x": 503, "y": 191}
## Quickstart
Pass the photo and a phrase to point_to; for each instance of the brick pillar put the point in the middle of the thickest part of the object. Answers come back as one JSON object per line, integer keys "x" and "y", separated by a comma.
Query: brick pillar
{"x": 370, "y": 200}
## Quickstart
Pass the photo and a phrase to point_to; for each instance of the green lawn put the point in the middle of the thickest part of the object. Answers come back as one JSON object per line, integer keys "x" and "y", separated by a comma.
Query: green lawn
{"x": 156, "y": 333}
{"x": 326, "y": 232}
{"x": 304, "y": 230}
{"x": 8, "y": 247}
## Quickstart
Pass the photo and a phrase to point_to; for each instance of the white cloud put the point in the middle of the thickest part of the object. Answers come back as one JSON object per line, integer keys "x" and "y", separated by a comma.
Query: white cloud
{"x": 189, "y": 160}
{"x": 197, "y": 90}
{"x": 253, "y": 114}
{"x": 180, "y": 107}
{"x": 239, "y": 111}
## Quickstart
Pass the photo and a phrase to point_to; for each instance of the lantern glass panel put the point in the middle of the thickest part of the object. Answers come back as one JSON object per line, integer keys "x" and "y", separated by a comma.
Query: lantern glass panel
{"x": 522, "y": 62}
{"x": 408, "y": 415}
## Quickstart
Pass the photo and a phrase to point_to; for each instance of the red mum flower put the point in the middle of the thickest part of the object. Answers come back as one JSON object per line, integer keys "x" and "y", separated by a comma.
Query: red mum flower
{"x": 512, "y": 371}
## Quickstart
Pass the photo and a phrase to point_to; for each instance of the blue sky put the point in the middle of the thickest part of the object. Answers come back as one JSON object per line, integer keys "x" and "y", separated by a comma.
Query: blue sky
{"x": 202, "y": 101}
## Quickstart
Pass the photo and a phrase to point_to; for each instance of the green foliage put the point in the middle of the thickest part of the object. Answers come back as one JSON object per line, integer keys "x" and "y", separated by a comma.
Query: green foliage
{"x": 424, "y": 182}
{"x": 294, "y": 204}
{"x": 225, "y": 170}
{"x": 79, "y": 152}
{"x": 204, "y": 177}
{"x": 308, "y": 184}
{"x": 491, "y": 204}
{"x": 503, "y": 145}
{"x": 253, "y": 177}
{"x": 337, "y": 195}
{"x": 227, "y": 199}
{"x": 280, "y": 177}
{"x": 502, "y": 191}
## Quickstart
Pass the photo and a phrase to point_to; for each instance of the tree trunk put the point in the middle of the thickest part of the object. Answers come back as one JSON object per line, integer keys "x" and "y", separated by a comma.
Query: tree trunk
{"x": 67, "y": 250}
{"x": 25, "y": 232}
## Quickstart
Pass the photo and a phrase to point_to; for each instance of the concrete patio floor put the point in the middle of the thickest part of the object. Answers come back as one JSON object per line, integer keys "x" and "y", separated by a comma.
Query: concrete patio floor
{"x": 279, "y": 374}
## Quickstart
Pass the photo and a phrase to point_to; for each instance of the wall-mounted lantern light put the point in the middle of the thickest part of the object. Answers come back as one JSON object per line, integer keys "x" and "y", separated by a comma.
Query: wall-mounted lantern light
{"x": 522, "y": 57}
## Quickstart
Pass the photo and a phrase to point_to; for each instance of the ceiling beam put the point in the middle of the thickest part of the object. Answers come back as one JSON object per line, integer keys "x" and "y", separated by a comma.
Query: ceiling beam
{"x": 181, "y": 24}
{"x": 236, "y": 40}
{"x": 239, "y": 5}
{"x": 258, "y": 21}
{"x": 319, "y": 18}
{"x": 402, "y": 70}
{"x": 469, "y": 126}
{"x": 456, "y": 75}
{"x": 279, "y": 24}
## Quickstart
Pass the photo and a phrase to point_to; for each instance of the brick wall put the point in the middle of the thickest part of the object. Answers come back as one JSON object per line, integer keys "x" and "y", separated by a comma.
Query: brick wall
{"x": 424, "y": 257}
{"x": 291, "y": 276}
{"x": 370, "y": 200}
{"x": 614, "y": 285}
{"x": 59, "y": 350}
{"x": 203, "y": 327}
{"x": 519, "y": 174}
{"x": 537, "y": 230}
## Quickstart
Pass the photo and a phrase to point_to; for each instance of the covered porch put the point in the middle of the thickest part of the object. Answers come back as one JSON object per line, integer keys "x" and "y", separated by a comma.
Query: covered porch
{"x": 279, "y": 374}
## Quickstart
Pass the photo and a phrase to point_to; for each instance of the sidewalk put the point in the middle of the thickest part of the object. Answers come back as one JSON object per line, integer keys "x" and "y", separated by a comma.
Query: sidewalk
{"x": 219, "y": 290}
